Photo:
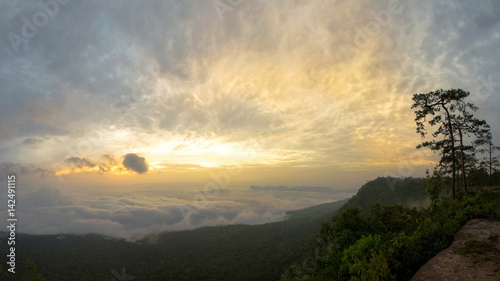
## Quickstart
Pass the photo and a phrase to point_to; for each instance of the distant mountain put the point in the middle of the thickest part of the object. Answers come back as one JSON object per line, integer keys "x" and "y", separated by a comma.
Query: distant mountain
{"x": 388, "y": 190}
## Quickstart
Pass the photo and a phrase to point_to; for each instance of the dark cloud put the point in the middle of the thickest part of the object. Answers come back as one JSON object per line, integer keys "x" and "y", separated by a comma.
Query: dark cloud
{"x": 105, "y": 164}
{"x": 135, "y": 163}
{"x": 7, "y": 168}
{"x": 80, "y": 162}
{"x": 32, "y": 141}
{"x": 109, "y": 159}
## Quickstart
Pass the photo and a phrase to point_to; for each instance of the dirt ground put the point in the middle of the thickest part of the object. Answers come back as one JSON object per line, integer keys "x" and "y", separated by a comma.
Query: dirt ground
{"x": 459, "y": 262}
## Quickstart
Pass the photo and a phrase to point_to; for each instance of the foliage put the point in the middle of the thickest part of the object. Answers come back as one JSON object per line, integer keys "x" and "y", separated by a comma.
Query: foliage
{"x": 434, "y": 183}
{"x": 33, "y": 273}
{"x": 366, "y": 260}
{"x": 394, "y": 239}
{"x": 390, "y": 190}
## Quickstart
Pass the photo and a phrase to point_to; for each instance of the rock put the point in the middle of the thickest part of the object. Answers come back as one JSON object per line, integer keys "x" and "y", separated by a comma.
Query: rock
{"x": 453, "y": 264}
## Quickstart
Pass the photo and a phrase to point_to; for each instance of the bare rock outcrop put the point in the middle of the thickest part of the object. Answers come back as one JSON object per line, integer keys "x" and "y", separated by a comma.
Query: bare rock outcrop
{"x": 473, "y": 255}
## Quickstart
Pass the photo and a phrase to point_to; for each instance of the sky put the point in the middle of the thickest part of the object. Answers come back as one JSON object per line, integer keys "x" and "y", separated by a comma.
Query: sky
{"x": 129, "y": 117}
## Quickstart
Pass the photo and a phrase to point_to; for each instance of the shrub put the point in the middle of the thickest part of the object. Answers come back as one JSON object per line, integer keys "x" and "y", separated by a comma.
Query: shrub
{"x": 365, "y": 260}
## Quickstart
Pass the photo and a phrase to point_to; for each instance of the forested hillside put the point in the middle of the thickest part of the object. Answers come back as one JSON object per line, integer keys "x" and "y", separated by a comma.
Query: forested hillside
{"x": 389, "y": 190}
{"x": 389, "y": 242}
{"x": 233, "y": 252}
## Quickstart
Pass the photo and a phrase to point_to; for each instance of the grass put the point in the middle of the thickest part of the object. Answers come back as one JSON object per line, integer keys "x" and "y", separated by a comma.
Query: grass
{"x": 474, "y": 246}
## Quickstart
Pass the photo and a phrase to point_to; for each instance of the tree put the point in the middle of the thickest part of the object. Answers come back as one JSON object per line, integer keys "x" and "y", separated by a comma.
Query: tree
{"x": 33, "y": 271}
{"x": 451, "y": 114}
{"x": 366, "y": 260}
{"x": 485, "y": 145}
{"x": 438, "y": 104}
{"x": 434, "y": 183}
{"x": 468, "y": 125}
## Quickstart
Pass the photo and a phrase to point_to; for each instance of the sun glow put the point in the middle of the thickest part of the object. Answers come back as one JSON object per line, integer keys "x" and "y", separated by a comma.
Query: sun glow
{"x": 202, "y": 152}
{"x": 115, "y": 170}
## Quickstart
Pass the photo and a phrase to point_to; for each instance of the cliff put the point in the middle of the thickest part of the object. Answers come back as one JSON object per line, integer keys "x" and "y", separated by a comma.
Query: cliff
{"x": 473, "y": 255}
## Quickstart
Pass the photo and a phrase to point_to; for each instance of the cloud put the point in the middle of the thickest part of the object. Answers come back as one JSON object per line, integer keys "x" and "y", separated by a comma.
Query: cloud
{"x": 7, "y": 168}
{"x": 135, "y": 163}
{"x": 79, "y": 162}
{"x": 53, "y": 210}
{"x": 105, "y": 164}
{"x": 32, "y": 141}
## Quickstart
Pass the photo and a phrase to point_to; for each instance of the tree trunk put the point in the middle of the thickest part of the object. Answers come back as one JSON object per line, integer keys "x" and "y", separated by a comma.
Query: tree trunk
{"x": 464, "y": 182}
{"x": 452, "y": 138}
{"x": 491, "y": 163}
